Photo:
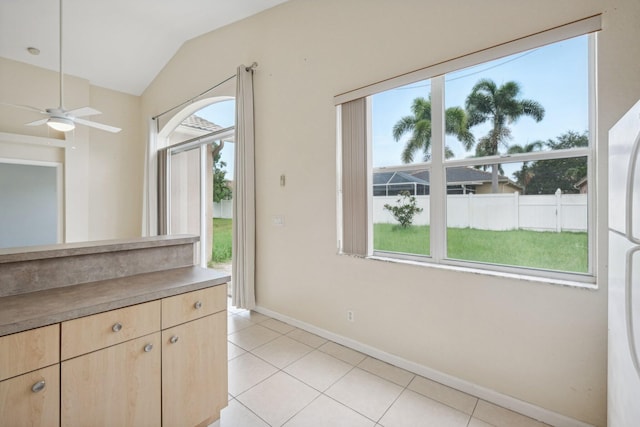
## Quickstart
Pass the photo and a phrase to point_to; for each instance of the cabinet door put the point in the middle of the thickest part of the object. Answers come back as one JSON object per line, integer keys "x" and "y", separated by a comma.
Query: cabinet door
{"x": 115, "y": 386}
{"x": 27, "y": 351}
{"x": 31, "y": 399}
{"x": 194, "y": 371}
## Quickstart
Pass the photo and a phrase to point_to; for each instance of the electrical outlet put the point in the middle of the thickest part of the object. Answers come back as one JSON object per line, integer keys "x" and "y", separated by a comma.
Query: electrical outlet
{"x": 350, "y": 316}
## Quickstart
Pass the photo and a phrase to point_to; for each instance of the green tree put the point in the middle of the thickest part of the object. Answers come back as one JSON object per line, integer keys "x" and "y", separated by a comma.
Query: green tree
{"x": 221, "y": 190}
{"x": 500, "y": 106}
{"x": 524, "y": 175}
{"x": 419, "y": 126}
{"x": 549, "y": 175}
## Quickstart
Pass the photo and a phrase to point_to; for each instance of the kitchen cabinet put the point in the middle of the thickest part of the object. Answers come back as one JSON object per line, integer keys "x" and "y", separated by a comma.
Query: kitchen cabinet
{"x": 163, "y": 362}
{"x": 115, "y": 386}
{"x": 81, "y": 334}
{"x": 111, "y": 368}
{"x": 30, "y": 378}
{"x": 194, "y": 357}
{"x": 31, "y": 399}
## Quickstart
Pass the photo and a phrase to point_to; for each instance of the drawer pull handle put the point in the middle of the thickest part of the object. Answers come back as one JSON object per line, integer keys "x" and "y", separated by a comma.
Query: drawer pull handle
{"x": 174, "y": 339}
{"x": 117, "y": 327}
{"x": 197, "y": 305}
{"x": 148, "y": 348}
{"x": 39, "y": 386}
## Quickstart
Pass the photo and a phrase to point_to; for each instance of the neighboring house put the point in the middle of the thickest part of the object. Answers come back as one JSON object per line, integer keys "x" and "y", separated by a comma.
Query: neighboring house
{"x": 582, "y": 185}
{"x": 192, "y": 127}
{"x": 460, "y": 180}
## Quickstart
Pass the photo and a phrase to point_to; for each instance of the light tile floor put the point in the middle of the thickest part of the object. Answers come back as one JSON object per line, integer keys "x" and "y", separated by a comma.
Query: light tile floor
{"x": 280, "y": 375}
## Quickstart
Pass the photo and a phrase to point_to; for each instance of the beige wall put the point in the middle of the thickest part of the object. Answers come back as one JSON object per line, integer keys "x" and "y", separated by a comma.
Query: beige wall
{"x": 116, "y": 167}
{"x": 103, "y": 171}
{"x": 540, "y": 343}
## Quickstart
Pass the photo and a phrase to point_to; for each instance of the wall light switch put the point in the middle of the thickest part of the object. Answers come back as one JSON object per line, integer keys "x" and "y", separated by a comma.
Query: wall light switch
{"x": 278, "y": 220}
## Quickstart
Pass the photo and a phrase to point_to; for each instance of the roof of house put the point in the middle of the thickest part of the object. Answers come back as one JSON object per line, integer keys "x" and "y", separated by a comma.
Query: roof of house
{"x": 455, "y": 176}
{"x": 196, "y": 122}
{"x": 382, "y": 178}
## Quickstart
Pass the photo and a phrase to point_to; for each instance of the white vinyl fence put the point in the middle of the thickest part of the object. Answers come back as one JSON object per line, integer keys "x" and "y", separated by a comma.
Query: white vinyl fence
{"x": 556, "y": 212}
{"x": 223, "y": 209}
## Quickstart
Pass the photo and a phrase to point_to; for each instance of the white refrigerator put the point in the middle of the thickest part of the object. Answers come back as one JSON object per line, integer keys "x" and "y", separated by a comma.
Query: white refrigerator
{"x": 624, "y": 271}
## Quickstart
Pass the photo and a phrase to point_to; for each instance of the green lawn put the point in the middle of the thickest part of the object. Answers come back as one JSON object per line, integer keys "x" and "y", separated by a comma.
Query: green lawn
{"x": 564, "y": 251}
{"x": 221, "y": 240}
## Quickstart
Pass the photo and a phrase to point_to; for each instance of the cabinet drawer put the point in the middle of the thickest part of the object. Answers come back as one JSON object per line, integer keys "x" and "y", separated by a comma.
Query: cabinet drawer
{"x": 193, "y": 305}
{"x": 86, "y": 334}
{"x": 30, "y": 350}
{"x": 31, "y": 399}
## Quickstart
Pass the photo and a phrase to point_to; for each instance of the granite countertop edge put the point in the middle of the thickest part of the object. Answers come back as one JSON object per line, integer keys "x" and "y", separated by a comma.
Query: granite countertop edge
{"x": 32, "y": 253}
{"x": 19, "y": 313}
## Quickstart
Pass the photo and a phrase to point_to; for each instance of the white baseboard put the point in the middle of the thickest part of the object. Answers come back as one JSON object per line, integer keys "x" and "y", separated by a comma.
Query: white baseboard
{"x": 492, "y": 396}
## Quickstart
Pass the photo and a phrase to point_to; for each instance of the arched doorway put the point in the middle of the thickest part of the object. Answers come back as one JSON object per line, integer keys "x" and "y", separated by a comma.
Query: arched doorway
{"x": 198, "y": 145}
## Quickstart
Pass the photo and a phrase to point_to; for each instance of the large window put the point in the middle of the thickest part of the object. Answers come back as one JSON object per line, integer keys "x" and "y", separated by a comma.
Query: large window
{"x": 487, "y": 166}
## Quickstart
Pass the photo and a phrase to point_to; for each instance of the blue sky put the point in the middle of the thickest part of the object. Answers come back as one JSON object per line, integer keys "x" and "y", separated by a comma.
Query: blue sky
{"x": 554, "y": 75}
{"x": 223, "y": 114}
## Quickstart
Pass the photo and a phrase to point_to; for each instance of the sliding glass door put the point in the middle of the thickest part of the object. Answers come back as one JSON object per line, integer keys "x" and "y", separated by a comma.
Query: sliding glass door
{"x": 188, "y": 207}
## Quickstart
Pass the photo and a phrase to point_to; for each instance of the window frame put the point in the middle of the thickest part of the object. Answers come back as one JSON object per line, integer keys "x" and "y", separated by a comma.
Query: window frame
{"x": 438, "y": 164}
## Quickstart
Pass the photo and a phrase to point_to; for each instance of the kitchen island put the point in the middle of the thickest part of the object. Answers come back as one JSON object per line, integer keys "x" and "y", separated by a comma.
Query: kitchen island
{"x": 122, "y": 332}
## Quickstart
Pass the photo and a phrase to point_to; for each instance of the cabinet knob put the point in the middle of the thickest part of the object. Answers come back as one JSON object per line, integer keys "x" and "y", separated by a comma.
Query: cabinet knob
{"x": 39, "y": 386}
{"x": 174, "y": 339}
{"x": 148, "y": 348}
{"x": 197, "y": 305}
{"x": 116, "y": 327}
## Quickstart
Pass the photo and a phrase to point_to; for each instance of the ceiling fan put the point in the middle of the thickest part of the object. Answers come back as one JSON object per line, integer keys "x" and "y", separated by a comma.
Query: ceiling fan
{"x": 65, "y": 120}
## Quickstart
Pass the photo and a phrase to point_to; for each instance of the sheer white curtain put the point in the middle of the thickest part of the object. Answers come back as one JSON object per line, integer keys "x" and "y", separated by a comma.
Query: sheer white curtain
{"x": 244, "y": 203}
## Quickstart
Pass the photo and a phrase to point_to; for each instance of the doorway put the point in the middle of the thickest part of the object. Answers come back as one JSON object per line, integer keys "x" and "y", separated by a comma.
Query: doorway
{"x": 199, "y": 178}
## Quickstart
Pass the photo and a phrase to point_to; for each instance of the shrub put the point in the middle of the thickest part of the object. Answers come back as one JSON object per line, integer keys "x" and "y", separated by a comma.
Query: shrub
{"x": 405, "y": 209}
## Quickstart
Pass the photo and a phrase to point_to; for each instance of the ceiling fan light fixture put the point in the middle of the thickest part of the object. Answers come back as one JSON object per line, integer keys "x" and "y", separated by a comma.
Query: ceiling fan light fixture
{"x": 61, "y": 124}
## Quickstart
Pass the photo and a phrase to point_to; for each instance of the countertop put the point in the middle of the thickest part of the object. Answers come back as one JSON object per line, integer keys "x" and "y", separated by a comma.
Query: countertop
{"x": 31, "y": 253}
{"x": 41, "y": 308}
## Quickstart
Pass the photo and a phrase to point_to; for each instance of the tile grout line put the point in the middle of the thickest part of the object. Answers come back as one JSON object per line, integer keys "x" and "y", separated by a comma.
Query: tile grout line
{"x": 394, "y": 400}
{"x": 250, "y": 410}
{"x": 320, "y": 392}
{"x": 353, "y": 367}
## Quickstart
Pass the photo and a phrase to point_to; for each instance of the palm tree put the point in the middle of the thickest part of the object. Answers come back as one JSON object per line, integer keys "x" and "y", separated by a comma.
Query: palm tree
{"x": 525, "y": 174}
{"x": 419, "y": 125}
{"x": 501, "y": 107}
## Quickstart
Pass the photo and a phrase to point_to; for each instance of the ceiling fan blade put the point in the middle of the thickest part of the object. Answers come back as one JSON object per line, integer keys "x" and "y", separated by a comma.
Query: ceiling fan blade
{"x": 24, "y": 107}
{"x": 83, "y": 111}
{"x": 37, "y": 122}
{"x": 98, "y": 125}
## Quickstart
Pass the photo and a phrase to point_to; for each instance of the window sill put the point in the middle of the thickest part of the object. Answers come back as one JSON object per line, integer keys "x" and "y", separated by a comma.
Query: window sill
{"x": 485, "y": 272}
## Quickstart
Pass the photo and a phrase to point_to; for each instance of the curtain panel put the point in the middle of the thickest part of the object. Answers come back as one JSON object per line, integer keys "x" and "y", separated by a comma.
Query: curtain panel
{"x": 244, "y": 204}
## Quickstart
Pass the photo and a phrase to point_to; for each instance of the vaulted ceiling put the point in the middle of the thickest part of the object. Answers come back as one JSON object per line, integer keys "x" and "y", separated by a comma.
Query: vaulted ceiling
{"x": 116, "y": 44}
